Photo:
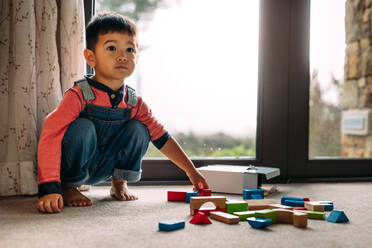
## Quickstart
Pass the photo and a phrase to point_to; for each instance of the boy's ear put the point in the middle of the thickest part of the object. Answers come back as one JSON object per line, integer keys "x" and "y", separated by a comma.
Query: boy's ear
{"x": 90, "y": 57}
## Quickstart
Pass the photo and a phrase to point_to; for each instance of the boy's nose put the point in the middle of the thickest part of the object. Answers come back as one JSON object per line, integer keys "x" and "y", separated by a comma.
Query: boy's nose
{"x": 121, "y": 59}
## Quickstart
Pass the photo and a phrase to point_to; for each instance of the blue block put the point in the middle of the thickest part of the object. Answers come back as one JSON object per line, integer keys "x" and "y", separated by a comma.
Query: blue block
{"x": 285, "y": 198}
{"x": 190, "y": 194}
{"x": 247, "y": 194}
{"x": 293, "y": 203}
{"x": 256, "y": 196}
{"x": 328, "y": 207}
{"x": 259, "y": 222}
{"x": 337, "y": 216}
{"x": 170, "y": 225}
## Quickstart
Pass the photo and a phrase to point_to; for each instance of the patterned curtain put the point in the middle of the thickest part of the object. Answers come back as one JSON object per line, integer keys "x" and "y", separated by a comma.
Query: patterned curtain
{"x": 41, "y": 54}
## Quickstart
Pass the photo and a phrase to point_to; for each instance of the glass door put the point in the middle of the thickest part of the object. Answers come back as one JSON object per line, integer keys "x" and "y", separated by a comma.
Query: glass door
{"x": 197, "y": 70}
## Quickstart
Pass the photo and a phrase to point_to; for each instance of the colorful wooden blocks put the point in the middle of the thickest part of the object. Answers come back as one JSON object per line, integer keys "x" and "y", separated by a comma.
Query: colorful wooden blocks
{"x": 313, "y": 214}
{"x": 197, "y": 202}
{"x": 259, "y": 204}
{"x": 176, "y": 196}
{"x": 236, "y": 206}
{"x": 274, "y": 206}
{"x": 170, "y": 225}
{"x": 294, "y": 201}
{"x": 200, "y": 219}
{"x": 224, "y": 217}
{"x": 298, "y": 219}
{"x": 267, "y": 214}
{"x": 259, "y": 222}
{"x": 245, "y": 214}
{"x": 253, "y": 194}
{"x": 319, "y": 206}
{"x": 337, "y": 216}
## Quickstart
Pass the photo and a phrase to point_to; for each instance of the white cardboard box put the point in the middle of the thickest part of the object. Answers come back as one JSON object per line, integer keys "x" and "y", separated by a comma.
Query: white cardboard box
{"x": 234, "y": 178}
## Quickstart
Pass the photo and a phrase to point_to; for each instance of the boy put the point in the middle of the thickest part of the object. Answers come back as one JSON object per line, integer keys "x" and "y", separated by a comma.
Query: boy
{"x": 101, "y": 129}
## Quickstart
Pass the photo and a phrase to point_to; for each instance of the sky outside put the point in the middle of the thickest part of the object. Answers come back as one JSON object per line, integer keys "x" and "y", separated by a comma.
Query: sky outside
{"x": 198, "y": 71}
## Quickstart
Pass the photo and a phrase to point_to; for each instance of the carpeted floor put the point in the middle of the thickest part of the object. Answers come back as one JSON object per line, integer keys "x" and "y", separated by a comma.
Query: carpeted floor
{"x": 110, "y": 223}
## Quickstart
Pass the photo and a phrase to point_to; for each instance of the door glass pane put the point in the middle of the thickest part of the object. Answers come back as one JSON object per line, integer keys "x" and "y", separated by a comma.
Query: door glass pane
{"x": 197, "y": 71}
{"x": 340, "y": 85}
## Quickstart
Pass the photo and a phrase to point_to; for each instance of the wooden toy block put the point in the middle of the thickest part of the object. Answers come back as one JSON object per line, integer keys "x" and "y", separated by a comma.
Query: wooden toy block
{"x": 337, "y": 216}
{"x": 299, "y": 219}
{"x": 267, "y": 214}
{"x": 319, "y": 205}
{"x": 170, "y": 225}
{"x": 205, "y": 192}
{"x": 299, "y": 208}
{"x": 245, "y": 214}
{"x": 190, "y": 194}
{"x": 314, "y": 206}
{"x": 224, "y": 217}
{"x": 313, "y": 214}
{"x": 259, "y": 204}
{"x": 284, "y": 216}
{"x": 259, "y": 222}
{"x": 200, "y": 219}
{"x": 176, "y": 196}
{"x": 275, "y": 206}
{"x": 237, "y": 206}
{"x": 293, "y": 201}
{"x": 218, "y": 201}
{"x": 206, "y": 210}
{"x": 253, "y": 194}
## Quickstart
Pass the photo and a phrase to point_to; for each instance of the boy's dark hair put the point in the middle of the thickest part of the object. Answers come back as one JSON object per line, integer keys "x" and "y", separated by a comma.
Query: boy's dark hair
{"x": 105, "y": 22}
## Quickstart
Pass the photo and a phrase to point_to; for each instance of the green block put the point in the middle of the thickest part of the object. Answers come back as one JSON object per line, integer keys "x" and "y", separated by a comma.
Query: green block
{"x": 313, "y": 214}
{"x": 232, "y": 207}
{"x": 266, "y": 214}
{"x": 245, "y": 214}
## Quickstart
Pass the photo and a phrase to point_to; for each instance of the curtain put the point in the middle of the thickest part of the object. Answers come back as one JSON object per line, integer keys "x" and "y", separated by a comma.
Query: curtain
{"x": 41, "y": 54}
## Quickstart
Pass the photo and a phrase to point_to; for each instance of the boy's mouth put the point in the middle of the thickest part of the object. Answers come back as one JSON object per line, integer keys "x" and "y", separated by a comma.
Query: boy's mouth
{"x": 121, "y": 67}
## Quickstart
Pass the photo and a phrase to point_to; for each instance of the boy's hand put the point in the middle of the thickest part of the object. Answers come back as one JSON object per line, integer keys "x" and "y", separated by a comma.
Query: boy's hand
{"x": 198, "y": 180}
{"x": 50, "y": 203}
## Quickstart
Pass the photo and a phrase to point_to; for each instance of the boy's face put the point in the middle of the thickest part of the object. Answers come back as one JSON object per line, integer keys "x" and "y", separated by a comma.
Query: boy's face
{"x": 115, "y": 56}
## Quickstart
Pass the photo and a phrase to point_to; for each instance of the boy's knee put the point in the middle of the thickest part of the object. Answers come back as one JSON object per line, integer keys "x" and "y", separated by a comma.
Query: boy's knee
{"x": 80, "y": 130}
{"x": 138, "y": 129}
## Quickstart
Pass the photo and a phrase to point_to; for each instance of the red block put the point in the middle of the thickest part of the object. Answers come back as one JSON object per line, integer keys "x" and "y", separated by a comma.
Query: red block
{"x": 306, "y": 199}
{"x": 204, "y": 192}
{"x": 299, "y": 208}
{"x": 200, "y": 218}
{"x": 176, "y": 196}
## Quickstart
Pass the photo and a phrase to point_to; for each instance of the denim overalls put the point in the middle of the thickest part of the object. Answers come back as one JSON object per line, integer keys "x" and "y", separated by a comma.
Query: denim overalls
{"x": 103, "y": 143}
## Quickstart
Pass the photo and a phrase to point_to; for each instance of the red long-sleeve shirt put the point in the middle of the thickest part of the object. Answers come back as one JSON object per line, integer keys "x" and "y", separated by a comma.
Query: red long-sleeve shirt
{"x": 57, "y": 122}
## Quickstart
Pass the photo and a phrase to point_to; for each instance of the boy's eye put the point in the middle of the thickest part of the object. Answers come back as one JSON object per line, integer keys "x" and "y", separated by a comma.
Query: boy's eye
{"x": 130, "y": 50}
{"x": 111, "y": 48}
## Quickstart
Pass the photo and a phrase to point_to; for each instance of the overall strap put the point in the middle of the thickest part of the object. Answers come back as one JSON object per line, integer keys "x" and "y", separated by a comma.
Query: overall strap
{"x": 85, "y": 89}
{"x": 131, "y": 98}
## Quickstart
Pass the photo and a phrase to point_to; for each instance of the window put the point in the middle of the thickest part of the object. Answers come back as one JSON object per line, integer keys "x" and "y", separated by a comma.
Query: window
{"x": 197, "y": 71}
{"x": 283, "y": 109}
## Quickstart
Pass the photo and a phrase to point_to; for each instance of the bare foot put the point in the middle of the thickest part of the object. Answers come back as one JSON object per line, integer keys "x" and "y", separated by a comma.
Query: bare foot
{"x": 120, "y": 191}
{"x": 73, "y": 198}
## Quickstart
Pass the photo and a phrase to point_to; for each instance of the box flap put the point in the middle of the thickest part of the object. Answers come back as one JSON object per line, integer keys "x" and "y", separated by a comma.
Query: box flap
{"x": 269, "y": 172}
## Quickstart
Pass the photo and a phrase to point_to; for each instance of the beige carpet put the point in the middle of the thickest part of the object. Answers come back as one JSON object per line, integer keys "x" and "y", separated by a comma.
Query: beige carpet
{"x": 110, "y": 223}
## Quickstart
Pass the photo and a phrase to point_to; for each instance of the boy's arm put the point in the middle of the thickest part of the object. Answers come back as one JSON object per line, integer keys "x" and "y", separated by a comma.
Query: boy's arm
{"x": 49, "y": 152}
{"x": 174, "y": 152}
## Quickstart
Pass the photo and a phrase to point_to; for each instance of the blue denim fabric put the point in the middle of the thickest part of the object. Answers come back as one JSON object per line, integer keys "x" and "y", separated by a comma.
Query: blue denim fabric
{"x": 103, "y": 143}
